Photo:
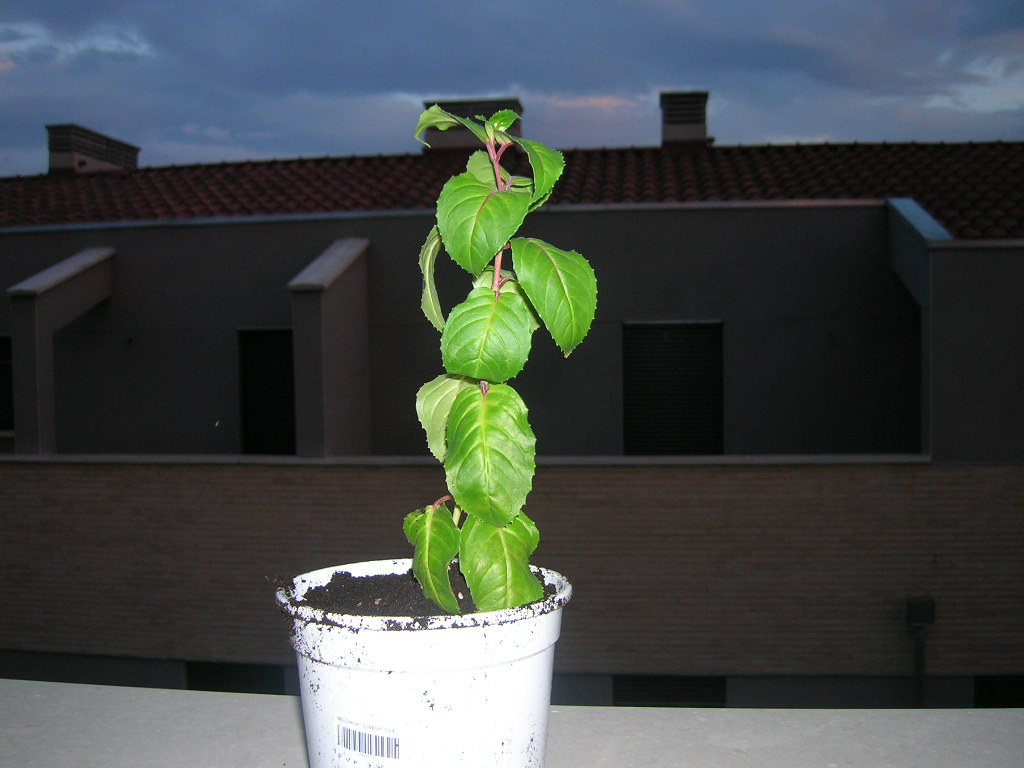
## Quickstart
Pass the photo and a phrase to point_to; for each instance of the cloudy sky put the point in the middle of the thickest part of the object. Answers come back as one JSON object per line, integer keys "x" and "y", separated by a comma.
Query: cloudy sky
{"x": 208, "y": 80}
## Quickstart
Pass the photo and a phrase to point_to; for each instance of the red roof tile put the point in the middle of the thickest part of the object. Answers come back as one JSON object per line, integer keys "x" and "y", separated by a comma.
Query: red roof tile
{"x": 974, "y": 190}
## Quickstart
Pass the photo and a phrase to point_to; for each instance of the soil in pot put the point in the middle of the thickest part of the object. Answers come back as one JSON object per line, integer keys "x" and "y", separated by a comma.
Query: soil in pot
{"x": 396, "y": 594}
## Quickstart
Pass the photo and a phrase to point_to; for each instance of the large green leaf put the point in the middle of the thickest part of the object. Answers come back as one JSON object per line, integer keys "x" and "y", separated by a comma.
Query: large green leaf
{"x": 433, "y": 404}
{"x": 548, "y": 165}
{"x": 561, "y": 286}
{"x": 430, "y": 304}
{"x": 435, "y": 117}
{"x": 491, "y": 454}
{"x": 436, "y": 540}
{"x": 476, "y": 219}
{"x": 496, "y": 563}
{"x": 487, "y": 336}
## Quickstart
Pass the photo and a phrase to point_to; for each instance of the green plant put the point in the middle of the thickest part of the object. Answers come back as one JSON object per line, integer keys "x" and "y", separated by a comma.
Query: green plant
{"x": 476, "y": 424}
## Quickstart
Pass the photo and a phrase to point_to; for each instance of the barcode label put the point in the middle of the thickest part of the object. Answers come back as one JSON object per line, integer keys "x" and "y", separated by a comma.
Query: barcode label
{"x": 372, "y": 744}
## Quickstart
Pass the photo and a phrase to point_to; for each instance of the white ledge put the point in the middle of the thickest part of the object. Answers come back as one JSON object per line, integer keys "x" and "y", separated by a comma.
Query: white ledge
{"x": 326, "y": 268}
{"x": 61, "y": 725}
{"x": 61, "y": 272}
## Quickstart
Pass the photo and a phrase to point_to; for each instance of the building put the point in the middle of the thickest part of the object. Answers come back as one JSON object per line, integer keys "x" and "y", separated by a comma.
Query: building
{"x": 221, "y": 353}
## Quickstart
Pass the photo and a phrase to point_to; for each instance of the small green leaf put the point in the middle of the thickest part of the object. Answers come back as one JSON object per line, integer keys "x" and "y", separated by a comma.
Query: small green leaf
{"x": 528, "y": 532}
{"x": 486, "y": 278}
{"x": 487, "y": 336}
{"x": 496, "y": 563}
{"x": 491, "y": 455}
{"x": 561, "y": 286}
{"x": 503, "y": 120}
{"x": 430, "y": 304}
{"x": 496, "y": 126}
{"x": 476, "y": 219}
{"x": 436, "y": 540}
{"x": 433, "y": 404}
{"x": 511, "y": 285}
{"x": 435, "y": 117}
{"x": 481, "y": 167}
{"x": 548, "y": 165}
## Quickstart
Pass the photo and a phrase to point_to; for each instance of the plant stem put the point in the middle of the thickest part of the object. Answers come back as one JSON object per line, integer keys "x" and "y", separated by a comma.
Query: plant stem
{"x": 497, "y": 281}
{"x": 495, "y": 155}
{"x": 501, "y": 151}
{"x": 495, "y": 163}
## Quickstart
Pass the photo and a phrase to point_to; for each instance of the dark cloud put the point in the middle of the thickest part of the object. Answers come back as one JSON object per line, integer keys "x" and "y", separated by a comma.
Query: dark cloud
{"x": 987, "y": 17}
{"x": 228, "y": 79}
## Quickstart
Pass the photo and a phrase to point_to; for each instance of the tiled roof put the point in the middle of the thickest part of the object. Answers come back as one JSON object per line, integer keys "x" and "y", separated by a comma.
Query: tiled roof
{"x": 975, "y": 190}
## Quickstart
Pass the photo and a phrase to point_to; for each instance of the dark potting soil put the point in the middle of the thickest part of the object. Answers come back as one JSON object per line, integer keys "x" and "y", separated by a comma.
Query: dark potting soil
{"x": 383, "y": 595}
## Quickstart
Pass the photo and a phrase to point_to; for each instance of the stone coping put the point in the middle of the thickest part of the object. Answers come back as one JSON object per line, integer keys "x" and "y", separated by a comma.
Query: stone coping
{"x": 63, "y": 725}
{"x": 413, "y": 461}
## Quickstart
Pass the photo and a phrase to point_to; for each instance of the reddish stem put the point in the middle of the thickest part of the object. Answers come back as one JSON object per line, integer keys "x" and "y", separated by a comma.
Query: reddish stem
{"x": 495, "y": 163}
{"x": 496, "y": 282}
{"x": 508, "y": 182}
{"x": 495, "y": 155}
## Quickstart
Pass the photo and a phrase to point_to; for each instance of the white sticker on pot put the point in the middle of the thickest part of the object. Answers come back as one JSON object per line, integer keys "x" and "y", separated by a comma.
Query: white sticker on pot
{"x": 367, "y": 746}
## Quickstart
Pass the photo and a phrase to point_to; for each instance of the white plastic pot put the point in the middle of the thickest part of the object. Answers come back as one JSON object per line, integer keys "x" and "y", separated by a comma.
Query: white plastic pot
{"x": 386, "y": 692}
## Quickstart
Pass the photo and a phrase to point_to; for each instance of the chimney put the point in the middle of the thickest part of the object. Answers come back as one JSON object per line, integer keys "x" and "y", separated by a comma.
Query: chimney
{"x": 462, "y": 138}
{"x": 684, "y": 120}
{"x": 74, "y": 149}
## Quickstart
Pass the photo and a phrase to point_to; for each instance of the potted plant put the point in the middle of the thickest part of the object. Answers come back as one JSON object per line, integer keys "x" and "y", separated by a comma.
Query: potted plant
{"x": 467, "y": 680}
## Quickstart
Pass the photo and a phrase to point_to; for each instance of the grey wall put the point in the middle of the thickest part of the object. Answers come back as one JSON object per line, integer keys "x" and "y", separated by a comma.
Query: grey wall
{"x": 978, "y": 352}
{"x": 155, "y": 368}
{"x": 821, "y": 338}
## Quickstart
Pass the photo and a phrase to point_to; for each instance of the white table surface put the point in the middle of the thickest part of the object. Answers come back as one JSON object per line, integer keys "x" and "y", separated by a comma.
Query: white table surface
{"x": 61, "y": 725}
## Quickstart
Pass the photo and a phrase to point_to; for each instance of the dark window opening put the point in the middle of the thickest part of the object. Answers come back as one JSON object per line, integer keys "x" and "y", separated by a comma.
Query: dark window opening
{"x": 672, "y": 389}
{"x": 235, "y": 678}
{"x": 1005, "y": 691}
{"x": 6, "y": 385}
{"x": 267, "y": 392}
{"x": 667, "y": 691}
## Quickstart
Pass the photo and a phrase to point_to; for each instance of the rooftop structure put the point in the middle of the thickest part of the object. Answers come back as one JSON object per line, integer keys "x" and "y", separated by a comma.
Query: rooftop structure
{"x": 972, "y": 189}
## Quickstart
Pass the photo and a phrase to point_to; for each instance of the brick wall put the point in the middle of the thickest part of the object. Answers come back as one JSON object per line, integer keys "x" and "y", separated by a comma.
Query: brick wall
{"x": 694, "y": 568}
